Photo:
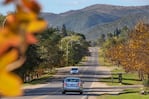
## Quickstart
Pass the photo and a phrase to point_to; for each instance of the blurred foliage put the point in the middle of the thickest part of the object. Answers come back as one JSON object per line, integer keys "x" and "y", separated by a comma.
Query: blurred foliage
{"x": 16, "y": 34}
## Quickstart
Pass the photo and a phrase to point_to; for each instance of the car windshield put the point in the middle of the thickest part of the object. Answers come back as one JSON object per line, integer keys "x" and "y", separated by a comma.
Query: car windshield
{"x": 72, "y": 80}
{"x": 74, "y": 69}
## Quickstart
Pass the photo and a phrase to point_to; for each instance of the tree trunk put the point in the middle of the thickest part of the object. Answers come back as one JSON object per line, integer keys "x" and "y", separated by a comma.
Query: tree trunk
{"x": 141, "y": 75}
{"x": 148, "y": 76}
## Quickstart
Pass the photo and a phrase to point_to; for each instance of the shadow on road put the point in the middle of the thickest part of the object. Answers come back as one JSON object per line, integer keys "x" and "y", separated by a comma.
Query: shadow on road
{"x": 58, "y": 91}
{"x": 86, "y": 76}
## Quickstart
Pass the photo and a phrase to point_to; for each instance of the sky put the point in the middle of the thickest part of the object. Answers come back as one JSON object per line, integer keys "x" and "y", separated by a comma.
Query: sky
{"x": 60, "y": 6}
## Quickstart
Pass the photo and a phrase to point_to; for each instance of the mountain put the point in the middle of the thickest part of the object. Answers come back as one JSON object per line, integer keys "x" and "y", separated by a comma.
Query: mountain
{"x": 99, "y": 18}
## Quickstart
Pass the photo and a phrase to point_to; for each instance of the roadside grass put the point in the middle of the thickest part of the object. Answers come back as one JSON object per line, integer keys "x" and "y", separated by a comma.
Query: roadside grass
{"x": 84, "y": 59}
{"x": 127, "y": 78}
{"x": 127, "y": 94}
{"x": 81, "y": 63}
{"x": 131, "y": 95}
{"x": 102, "y": 60}
{"x": 40, "y": 80}
{"x": 43, "y": 79}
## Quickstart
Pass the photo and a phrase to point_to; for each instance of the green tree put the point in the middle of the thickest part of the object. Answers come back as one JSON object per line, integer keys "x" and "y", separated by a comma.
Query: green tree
{"x": 2, "y": 18}
{"x": 49, "y": 49}
{"x": 101, "y": 40}
{"x": 74, "y": 47}
{"x": 117, "y": 32}
{"x": 64, "y": 31}
{"x": 28, "y": 70}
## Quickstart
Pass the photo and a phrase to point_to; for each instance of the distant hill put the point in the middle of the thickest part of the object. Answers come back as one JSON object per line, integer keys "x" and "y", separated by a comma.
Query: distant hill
{"x": 99, "y": 18}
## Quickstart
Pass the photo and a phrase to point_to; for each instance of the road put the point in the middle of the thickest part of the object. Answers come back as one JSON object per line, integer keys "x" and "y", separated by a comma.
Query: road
{"x": 52, "y": 89}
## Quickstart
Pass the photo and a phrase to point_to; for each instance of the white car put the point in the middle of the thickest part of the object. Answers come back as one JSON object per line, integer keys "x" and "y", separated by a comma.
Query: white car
{"x": 74, "y": 70}
{"x": 72, "y": 84}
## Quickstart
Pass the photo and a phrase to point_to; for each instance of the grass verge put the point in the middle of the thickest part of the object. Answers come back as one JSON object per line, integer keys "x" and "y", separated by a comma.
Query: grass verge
{"x": 127, "y": 94}
{"x": 124, "y": 96}
{"x": 127, "y": 78}
{"x": 102, "y": 60}
{"x": 43, "y": 79}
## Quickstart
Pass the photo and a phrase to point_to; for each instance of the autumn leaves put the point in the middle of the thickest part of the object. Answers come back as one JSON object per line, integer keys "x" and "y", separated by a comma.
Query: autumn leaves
{"x": 133, "y": 54}
{"x": 15, "y": 37}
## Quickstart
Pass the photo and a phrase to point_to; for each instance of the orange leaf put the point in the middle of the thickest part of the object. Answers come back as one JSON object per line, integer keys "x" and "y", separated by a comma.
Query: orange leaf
{"x": 11, "y": 18}
{"x": 30, "y": 38}
{"x": 8, "y": 1}
{"x": 8, "y": 40}
{"x": 7, "y": 58}
{"x": 29, "y": 16}
{"x": 11, "y": 21}
{"x": 36, "y": 26}
{"x": 10, "y": 84}
{"x": 32, "y": 5}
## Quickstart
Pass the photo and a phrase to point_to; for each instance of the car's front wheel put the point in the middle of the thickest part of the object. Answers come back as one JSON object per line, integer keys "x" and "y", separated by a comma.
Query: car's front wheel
{"x": 63, "y": 92}
{"x": 81, "y": 92}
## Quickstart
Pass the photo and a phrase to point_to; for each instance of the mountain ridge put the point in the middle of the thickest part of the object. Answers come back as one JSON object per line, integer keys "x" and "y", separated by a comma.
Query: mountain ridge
{"x": 96, "y": 16}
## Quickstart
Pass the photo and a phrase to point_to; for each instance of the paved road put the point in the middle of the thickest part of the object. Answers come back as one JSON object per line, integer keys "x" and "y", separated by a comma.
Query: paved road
{"x": 90, "y": 73}
{"x": 52, "y": 89}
